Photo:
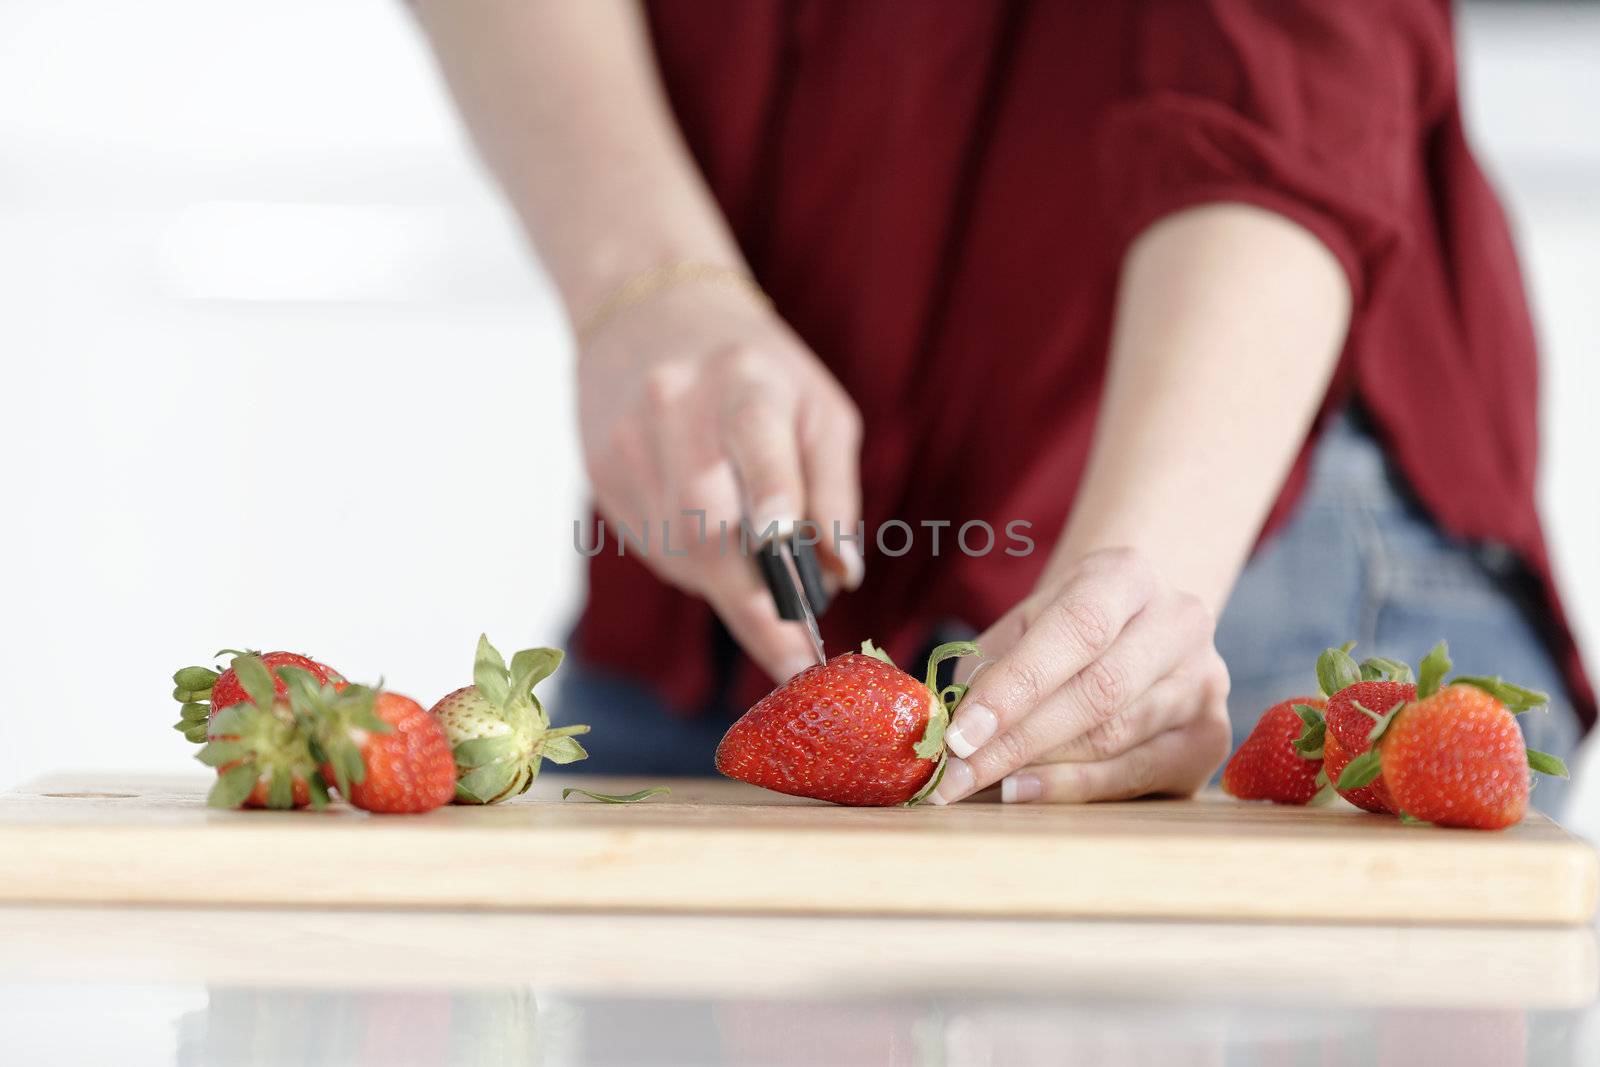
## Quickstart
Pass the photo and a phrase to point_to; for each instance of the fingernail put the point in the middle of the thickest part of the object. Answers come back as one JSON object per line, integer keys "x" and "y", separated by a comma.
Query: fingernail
{"x": 855, "y": 568}
{"x": 973, "y": 725}
{"x": 1021, "y": 788}
{"x": 957, "y": 783}
{"x": 775, "y": 514}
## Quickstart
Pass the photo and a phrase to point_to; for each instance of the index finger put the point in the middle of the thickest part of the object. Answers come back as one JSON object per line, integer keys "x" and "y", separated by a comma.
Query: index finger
{"x": 1071, "y": 631}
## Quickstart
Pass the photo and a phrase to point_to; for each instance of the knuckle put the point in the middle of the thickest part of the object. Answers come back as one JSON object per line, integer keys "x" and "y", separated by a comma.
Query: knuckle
{"x": 1214, "y": 738}
{"x": 847, "y": 417}
{"x": 1218, "y": 683}
{"x": 1105, "y": 689}
{"x": 742, "y": 363}
{"x": 1025, "y": 686}
{"x": 661, "y": 391}
{"x": 1110, "y": 738}
{"x": 1081, "y": 620}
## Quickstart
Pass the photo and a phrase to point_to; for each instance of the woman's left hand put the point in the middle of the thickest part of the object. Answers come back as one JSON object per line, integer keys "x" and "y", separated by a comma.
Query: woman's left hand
{"x": 1102, "y": 685}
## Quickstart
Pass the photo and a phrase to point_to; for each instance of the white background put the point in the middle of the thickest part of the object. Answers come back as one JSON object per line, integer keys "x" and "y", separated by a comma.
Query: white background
{"x": 278, "y": 372}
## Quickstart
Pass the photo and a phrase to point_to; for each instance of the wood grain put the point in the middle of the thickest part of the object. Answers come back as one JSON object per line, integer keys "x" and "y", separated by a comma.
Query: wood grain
{"x": 724, "y": 847}
{"x": 848, "y": 957}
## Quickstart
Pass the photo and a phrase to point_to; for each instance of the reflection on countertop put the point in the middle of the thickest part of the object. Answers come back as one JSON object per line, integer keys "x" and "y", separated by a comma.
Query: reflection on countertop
{"x": 299, "y": 987}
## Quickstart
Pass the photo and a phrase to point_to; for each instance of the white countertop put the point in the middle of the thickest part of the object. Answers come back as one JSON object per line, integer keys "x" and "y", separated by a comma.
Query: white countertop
{"x": 227, "y": 987}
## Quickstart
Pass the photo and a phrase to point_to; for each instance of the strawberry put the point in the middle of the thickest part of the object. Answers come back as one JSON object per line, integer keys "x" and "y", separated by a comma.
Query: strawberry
{"x": 1454, "y": 756}
{"x": 1357, "y": 696}
{"x": 1272, "y": 764}
{"x": 203, "y": 692}
{"x": 856, "y": 730}
{"x": 260, "y": 747}
{"x": 498, "y": 730}
{"x": 384, "y": 752}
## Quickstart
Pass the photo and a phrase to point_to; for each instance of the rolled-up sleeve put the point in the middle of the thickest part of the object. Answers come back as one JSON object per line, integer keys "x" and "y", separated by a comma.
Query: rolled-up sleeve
{"x": 1312, "y": 109}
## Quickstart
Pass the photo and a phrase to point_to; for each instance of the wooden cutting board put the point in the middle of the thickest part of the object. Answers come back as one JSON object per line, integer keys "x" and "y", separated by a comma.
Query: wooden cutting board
{"x": 720, "y": 846}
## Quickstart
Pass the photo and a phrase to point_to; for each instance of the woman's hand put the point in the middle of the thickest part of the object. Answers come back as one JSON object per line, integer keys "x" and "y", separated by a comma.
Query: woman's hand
{"x": 1102, "y": 685}
{"x": 700, "y": 399}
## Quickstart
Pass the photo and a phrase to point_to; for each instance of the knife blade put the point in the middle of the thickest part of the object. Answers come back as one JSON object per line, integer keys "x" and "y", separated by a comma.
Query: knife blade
{"x": 794, "y": 579}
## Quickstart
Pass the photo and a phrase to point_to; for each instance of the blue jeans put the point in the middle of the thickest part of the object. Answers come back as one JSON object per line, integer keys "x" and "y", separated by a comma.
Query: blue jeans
{"x": 1359, "y": 561}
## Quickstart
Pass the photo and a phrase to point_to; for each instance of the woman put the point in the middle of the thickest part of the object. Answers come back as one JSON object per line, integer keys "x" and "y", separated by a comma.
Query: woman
{"x": 1173, "y": 283}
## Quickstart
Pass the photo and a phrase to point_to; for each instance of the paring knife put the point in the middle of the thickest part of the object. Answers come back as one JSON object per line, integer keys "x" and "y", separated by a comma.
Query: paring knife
{"x": 793, "y": 576}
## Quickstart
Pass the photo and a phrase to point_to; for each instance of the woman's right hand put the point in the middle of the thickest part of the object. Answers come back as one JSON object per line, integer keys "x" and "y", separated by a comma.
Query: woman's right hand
{"x": 700, "y": 399}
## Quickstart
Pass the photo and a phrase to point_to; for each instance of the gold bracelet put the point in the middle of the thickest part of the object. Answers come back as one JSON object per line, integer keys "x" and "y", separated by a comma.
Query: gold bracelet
{"x": 650, "y": 282}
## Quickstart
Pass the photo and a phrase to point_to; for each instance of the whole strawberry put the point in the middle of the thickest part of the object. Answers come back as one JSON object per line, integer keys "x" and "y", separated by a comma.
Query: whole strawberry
{"x": 1272, "y": 764}
{"x": 856, "y": 730}
{"x": 203, "y": 692}
{"x": 1455, "y": 756}
{"x": 1357, "y": 697}
{"x": 498, "y": 730}
{"x": 261, "y": 748}
{"x": 382, "y": 751}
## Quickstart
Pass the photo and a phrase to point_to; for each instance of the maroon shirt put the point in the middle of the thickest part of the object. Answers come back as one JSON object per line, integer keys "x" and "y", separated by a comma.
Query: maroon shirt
{"x": 938, "y": 195}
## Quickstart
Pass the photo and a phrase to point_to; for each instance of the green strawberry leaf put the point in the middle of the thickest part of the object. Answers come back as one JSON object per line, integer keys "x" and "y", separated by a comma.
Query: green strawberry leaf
{"x": 1310, "y": 742}
{"x": 932, "y": 783}
{"x": 232, "y": 787}
{"x": 611, "y": 798}
{"x": 195, "y": 732}
{"x": 1435, "y": 665}
{"x": 1380, "y": 727}
{"x": 1336, "y": 670}
{"x": 1516, "y": 698}
{"x": 1361, "y": 771}
{"x": 280, "y": 793}
{"x": 1309, "y": 715}
{"x": 319, "y": 791}
{"x": 1545, "y": 763}
{"x": 195, "y": 679}
{"x": 870, "y": 649}
{"x": 488, "y": 782}
{"x": 948, "y": 650}
{"x": 1324, "y": 794}
{"x": 300, "y": 683}
{"x": 231, "y": 720}
{"x": 257, "y": 681}
{"x": 562, "y": 750}
{"x": 931, "y": 744}
{"x": 532, "y": 666}
{"x": 195, "y": 712}
{"x": 1408, "y": 819}
{"x": 482, "y": 751}
{"x": 489, "y": 673}
{"x": 1383, "y": 669}
{"x": 217, "y": 753}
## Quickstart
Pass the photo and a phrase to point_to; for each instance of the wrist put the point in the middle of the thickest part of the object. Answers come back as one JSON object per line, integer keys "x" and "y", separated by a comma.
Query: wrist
{"x": 662, "y": 280}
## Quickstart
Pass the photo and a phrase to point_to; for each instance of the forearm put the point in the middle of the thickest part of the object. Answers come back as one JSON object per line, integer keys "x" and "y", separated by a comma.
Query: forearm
{"x": 1229, "y": 323}
{"x": 563, "y": 102}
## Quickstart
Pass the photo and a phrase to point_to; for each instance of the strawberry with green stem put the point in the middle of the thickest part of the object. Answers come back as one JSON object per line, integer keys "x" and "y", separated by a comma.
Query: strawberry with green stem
{"x": 1281, "y": 760}
{"x": 499, "y": 731}
{"x": 856, "y": 730}
{"x": 1351, "y": 689}
{"x": 261, "y": 747}
{"x": 382, "y": 751}
{"x": 203, "y": 692}
{"x": 1455, "y": 756}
